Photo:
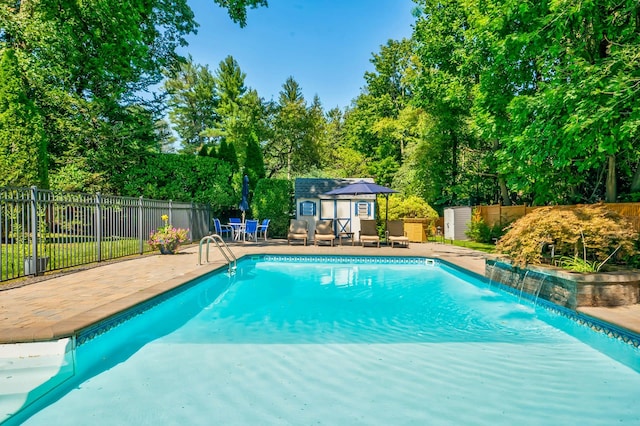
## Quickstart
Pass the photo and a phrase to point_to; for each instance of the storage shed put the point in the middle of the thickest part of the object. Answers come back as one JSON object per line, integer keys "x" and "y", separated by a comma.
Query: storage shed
{"x": 345, "y": 210}
{"x": 456, "y": 223}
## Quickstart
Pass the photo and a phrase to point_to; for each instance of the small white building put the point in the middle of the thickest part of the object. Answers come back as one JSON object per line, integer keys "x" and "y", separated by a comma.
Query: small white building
{"x": 345, "y": 210}
{"x": 456, "y": 223}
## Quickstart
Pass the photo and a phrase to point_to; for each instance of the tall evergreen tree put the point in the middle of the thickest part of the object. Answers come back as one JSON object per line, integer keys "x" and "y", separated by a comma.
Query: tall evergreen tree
{"x": 193, "y": 101}
{"x": 291, "y": 149}
{"x": 254, "y": 162}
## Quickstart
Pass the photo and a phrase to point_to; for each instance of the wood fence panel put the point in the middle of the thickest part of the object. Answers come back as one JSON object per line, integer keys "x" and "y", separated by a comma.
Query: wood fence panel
{"x": 490, "y": 214}
{"x": 507, "y": 214}
{"x": 510, "y": 214}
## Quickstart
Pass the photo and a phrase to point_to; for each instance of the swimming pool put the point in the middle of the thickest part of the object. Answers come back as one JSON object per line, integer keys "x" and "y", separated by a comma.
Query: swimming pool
{"x": 344, "y": 340}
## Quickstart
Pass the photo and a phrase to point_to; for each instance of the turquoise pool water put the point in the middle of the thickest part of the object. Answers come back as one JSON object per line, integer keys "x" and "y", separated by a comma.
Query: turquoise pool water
{"x": 291, "y": 341}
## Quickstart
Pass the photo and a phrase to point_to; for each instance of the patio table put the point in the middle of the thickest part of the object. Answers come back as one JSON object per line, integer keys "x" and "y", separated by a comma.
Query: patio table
{"x": 238, "y": 230}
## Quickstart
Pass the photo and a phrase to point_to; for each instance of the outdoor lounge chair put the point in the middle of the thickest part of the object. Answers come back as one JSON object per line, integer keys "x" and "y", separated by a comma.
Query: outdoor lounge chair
{"x": 324, "y": 232}
{"x": 298, "y": 230}
{"x": 263, "y": 228}
{"x": 396, "y": 233}
{"x": 222, "y": 229}
{"x": 369, "y": 232}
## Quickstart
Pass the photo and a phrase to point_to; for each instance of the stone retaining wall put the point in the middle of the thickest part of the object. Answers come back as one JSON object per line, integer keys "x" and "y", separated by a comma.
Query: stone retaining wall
{"x": 566, "y": 288}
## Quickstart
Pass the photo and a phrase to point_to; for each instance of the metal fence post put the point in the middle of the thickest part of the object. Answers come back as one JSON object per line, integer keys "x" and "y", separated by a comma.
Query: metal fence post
{"x": 140, "y": 225}
{"x": 170, "y": 211}
{"x": 33, "y": 269}
{"x": 98, "y": 230}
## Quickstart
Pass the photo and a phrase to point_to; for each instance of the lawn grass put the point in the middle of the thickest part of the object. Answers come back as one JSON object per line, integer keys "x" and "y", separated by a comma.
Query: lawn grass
{"x": 484, "y": 247}
{"x": 65, "y": 255}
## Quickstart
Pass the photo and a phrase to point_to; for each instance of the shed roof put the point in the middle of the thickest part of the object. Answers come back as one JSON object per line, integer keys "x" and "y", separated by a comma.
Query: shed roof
{"x": 314, "y": 187}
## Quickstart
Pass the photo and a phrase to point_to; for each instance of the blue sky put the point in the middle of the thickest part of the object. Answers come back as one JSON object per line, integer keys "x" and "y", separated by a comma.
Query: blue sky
{"x": 326, "y": 45}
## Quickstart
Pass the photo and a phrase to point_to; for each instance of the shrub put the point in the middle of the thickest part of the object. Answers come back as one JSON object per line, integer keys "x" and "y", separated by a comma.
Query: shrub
{"x": 592, "y": 233}
{"x": 481, "y": 232}
{"x": 273, "y": 199}
{"x": 412, "y": 206}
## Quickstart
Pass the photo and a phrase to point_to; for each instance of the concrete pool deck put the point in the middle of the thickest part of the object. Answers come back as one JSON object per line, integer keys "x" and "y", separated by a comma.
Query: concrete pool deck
{"x": 63, "y": 304}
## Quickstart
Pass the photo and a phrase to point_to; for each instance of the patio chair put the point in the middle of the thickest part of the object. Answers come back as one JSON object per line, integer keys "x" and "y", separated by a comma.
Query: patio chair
{"x": 396, "y": 233}
{"x": 324, "y": 232}
{"x": 298, "y": 230}
{"x": 251, "y": 230}
{"x": 369, "y": 232}
{"x": 263, "y": 228}
{"x": 221, "y": 229}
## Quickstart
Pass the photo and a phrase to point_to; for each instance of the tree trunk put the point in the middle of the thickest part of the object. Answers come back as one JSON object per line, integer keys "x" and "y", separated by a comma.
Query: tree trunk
{"x": 454, "y": 163}
{"x": 504, "y": 191}
{"x": 635, "y": 183}
{"x": 612, "y": 190}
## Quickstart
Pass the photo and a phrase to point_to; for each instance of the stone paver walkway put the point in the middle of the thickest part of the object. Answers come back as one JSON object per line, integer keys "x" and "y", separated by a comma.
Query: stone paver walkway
{"x": 62, "y": 305}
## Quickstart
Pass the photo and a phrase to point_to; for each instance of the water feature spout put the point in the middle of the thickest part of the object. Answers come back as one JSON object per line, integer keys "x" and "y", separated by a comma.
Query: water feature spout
{"x": 493, "y": 271}
{"x": 522, "y": 284}
{"x": 535, "y": 301}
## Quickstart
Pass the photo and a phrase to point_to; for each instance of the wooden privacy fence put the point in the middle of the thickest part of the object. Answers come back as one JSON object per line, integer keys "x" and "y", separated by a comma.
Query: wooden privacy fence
{"x": 506, "y": 214}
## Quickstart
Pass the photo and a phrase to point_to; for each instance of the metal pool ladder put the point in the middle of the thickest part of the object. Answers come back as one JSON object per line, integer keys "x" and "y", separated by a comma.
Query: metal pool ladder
{"x": 224, "y": 249}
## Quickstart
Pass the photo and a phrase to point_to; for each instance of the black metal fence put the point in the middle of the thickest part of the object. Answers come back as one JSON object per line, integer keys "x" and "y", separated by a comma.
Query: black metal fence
{"x": 43, "y": 230}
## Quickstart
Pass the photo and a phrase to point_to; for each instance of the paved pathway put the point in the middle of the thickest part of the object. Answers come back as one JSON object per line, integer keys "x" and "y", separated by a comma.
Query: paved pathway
{"x": 64, "y": 304}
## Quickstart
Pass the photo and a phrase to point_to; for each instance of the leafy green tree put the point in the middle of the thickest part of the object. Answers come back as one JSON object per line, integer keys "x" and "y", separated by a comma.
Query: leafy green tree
{"x": 570, "y": 67}
{"x": 87, "y": 65}
{"x": 443, "y": 87}
{"x": 338, "y": 158}
{"x": 372, "y": 126}
{"x": 238, "y": 8}
{"x": 23, "y": 144}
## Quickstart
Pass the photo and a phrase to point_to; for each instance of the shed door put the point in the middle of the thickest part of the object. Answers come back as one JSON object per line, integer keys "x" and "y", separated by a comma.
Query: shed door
{"x": 449, "y": 224}
{"x": 340, "y": 212}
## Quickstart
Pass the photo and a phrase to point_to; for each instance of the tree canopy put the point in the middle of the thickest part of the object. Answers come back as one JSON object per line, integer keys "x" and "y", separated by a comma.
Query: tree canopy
{"x": 489, "y": 101}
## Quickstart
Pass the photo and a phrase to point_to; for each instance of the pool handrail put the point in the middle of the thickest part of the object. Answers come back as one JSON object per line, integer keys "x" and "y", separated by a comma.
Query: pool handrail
{"x": 224, "y": 249}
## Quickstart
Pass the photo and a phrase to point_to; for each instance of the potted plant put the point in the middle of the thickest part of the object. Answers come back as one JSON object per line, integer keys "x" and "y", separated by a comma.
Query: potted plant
{"x": 167, "y": 238}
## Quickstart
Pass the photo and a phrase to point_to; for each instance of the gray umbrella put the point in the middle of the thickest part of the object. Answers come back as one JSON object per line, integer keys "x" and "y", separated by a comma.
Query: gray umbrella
{"x": 369, "y": 188}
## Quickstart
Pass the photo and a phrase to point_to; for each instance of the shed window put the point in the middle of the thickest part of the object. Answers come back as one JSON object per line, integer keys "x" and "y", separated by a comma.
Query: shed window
{"x": 307, "y": 208}
{"x": 363, "y": 209}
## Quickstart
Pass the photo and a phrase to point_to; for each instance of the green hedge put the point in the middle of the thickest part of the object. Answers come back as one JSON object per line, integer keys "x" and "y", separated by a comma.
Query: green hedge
{"x": 181, "y": 178}
{"x": 273, "y": 199}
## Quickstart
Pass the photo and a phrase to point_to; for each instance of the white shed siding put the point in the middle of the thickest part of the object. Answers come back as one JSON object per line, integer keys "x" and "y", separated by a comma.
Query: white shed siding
{"x": 456, "y": 222}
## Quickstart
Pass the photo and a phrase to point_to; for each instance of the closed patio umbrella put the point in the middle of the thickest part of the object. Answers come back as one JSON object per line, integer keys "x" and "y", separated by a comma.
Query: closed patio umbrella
{"x": 244, "y": 203}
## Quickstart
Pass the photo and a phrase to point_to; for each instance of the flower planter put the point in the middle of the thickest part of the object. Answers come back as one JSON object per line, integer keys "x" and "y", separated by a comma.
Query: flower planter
{"x": 167, "y": 250}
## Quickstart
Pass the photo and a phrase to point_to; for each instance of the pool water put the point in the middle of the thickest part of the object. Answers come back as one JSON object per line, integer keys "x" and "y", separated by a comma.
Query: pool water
{"x": 284, "y": 342}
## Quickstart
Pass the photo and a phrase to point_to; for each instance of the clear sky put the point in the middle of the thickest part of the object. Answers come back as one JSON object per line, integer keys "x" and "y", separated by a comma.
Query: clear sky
{"x": 326, "y": 45}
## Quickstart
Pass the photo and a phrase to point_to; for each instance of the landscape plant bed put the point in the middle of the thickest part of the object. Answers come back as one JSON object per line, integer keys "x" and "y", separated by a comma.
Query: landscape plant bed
{"x": 566, "y": 288}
